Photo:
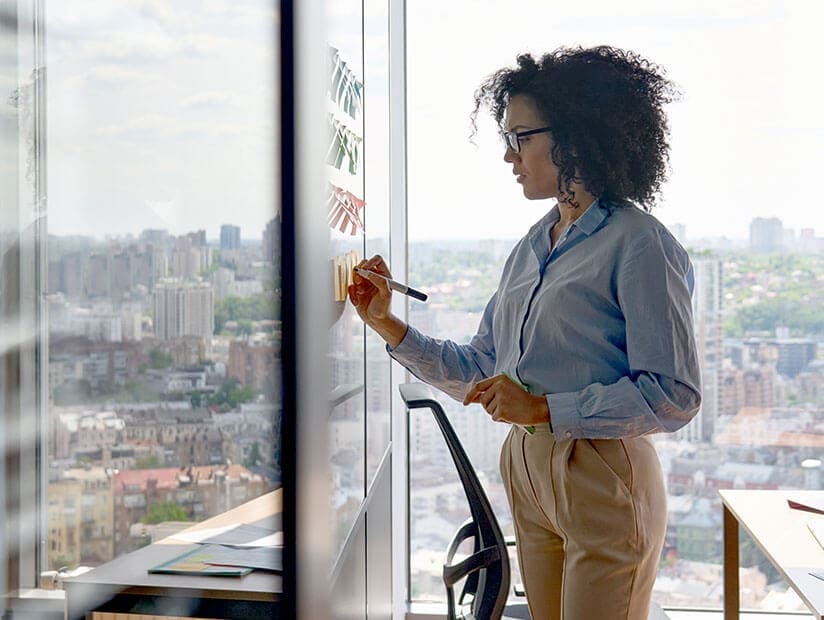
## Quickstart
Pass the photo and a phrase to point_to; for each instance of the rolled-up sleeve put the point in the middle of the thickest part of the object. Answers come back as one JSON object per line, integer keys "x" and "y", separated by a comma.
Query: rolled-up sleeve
{"x": 662, "y": 391}
{"x": 446, "y": 365}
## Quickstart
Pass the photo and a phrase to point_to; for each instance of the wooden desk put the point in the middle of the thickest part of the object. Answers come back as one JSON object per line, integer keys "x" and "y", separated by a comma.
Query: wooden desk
{"x": 125, "y": 585}
{"x": 782, "y": 534}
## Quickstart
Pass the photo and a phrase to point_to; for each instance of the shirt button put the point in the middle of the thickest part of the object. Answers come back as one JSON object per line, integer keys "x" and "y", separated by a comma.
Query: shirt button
{"x": 568, "y": 434}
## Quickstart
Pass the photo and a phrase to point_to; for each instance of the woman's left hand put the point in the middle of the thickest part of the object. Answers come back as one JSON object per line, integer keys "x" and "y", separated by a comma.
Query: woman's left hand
{"x": 506, "y": 401}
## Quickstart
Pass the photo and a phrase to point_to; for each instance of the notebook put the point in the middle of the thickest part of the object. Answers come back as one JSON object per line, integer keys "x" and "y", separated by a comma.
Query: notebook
{"x": 197, "y": 562}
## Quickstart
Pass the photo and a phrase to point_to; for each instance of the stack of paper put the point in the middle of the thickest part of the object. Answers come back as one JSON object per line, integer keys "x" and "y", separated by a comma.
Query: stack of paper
{"x": 231, "y": 551}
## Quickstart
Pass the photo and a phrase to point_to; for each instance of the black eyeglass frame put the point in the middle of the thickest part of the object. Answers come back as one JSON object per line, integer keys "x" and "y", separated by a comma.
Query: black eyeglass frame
{"x": 513, "y": 138}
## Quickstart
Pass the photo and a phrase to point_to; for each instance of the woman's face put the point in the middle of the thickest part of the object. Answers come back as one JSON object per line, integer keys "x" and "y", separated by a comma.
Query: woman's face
{"x": 533, "y": 165}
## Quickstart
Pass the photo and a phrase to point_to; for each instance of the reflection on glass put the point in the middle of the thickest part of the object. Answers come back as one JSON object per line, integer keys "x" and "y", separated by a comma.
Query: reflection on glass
{"x": 163, "y": 269}
{"x": 347, "y": 215}
{"x": 376, "y": 126}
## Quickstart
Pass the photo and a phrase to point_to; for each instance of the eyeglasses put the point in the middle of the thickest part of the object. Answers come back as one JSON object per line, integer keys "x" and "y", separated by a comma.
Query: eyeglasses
{"x": 512, "y": 139}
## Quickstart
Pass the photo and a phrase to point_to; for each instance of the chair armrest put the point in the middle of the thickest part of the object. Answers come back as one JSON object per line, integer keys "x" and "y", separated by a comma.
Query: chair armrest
{"x": 475, "y": 562}
{"x": 465, "y": 532}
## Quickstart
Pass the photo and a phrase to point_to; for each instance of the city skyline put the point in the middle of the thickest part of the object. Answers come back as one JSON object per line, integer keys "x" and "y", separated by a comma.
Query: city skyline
{"x": 758, "y": 229}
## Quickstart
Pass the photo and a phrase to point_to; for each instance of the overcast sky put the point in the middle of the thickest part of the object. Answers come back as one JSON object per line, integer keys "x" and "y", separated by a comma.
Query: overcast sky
{"x": 747, "y": 136}
{"x": 161, "y": 114}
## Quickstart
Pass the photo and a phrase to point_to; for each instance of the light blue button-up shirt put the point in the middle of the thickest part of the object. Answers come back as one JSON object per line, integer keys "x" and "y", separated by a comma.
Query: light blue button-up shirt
{"x": 601, "y": 324}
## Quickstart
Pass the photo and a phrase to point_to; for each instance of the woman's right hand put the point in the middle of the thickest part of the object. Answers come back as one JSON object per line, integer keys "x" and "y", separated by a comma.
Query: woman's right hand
{"x": 370, "y": 294}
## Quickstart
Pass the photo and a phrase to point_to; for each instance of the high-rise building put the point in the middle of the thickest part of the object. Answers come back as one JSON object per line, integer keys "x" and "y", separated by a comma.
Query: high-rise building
{"x": 123, "y": 265}
{"x": 271, "y": 241}
{"x": 81, "y": 518}
{"x": 808, "y": 243}
{"x": 189, "y": 257}
{"x": 183, "y": 309}
{"x": 706, "y": 307}
{"x": 156, "y": 237}
{"x": 96, "y": 279}
{"x": 793, "y": 354}
{"x": 221, "y": 279}
{"x": 766, "y": 235}
{"x": 143, "y": 267}
{"x": 229, "y": 237}
{"x": 197, "y": 237}
{"x": 753, "y": 387}
{"x": 252, "y": 364}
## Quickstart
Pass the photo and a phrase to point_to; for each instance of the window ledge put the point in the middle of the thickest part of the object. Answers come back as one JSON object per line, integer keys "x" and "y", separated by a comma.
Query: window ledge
{"x": 36, "y": 603}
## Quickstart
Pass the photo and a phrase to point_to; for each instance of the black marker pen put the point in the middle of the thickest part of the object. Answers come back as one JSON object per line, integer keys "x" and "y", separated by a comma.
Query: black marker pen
{"x": 397, "y": 286}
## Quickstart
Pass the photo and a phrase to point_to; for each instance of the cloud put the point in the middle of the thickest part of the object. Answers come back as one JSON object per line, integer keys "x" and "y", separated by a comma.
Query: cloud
{"x": 209, "y": 100}
{"x": 114, "y": 75}
{"x": 131, "y": 48}
{"x": 146, "y": 127}
{"x": 161, "y": 12}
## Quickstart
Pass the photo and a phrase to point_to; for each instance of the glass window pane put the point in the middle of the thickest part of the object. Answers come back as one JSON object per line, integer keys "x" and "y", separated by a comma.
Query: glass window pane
{"x": 377, "y": 217}
{"x": 347, "y": 214}
{"x": 737, "y": 135}
{"x": 163, "y": 287}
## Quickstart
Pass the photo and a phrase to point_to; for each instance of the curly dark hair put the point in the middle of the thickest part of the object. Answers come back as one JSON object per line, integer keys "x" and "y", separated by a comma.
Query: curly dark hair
{"x": 605, "y": 108}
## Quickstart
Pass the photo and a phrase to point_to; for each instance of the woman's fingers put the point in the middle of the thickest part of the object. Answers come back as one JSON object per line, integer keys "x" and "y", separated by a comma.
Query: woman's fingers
{"x": 354, "y": 294}
{"x": 479, "y": 388}
{"x": 486, "y": 398}
{"x": 378, "y": 265}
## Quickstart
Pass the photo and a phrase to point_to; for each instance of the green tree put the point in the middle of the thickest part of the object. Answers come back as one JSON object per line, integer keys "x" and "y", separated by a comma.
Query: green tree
{"x": 752, "y": 556}
{"x": 158, "y": 359}
{"x": 232, "y": 393}
{"x": 165, "y": 511}
{"x": 150, "y": 461}
{"x": 244, "y": 326}
{"x": 260, "y": 307}
{"x": 254, "y": 457}
{"x": 73, "y": 392}
{"x": 764, "y": 291}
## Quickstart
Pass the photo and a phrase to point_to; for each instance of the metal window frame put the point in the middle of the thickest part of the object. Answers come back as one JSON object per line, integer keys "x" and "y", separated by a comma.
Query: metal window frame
{"x": 398, "y": 250}
{"x": 303, "y": 251}
{"x": 23, "y": 384}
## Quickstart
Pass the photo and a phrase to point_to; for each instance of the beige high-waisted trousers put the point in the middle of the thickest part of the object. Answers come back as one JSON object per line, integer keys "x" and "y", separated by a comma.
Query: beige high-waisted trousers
{"x": 590, "y": 518}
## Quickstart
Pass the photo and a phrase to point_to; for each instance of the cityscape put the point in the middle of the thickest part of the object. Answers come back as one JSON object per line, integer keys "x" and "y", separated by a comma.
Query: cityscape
{"x": 164, "y": 395}
{"x": 163, "y": 385}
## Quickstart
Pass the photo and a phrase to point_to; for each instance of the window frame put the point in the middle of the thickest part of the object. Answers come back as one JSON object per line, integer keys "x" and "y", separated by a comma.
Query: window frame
{"x": 23, "y": 468}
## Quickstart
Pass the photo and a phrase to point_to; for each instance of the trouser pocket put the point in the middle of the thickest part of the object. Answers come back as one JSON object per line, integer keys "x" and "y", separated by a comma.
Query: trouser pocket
{"x": 595, "y": 499}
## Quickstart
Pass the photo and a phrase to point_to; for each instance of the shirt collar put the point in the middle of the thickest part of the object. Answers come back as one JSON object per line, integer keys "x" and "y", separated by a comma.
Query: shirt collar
{"x": 587, "y": 223}
{"x": 591, "y": 218}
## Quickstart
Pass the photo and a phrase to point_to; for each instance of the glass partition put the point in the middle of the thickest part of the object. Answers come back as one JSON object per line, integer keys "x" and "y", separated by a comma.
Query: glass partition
{"x": 345, "y": 169}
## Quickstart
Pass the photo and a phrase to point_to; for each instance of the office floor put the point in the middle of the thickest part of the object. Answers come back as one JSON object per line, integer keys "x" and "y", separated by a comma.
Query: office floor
{"x": 717, "y": 615}
{"x": 422, "y": 611}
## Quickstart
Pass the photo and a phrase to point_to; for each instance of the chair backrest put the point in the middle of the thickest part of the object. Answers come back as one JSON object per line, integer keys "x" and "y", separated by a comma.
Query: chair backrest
{"x": 487, "y": 569}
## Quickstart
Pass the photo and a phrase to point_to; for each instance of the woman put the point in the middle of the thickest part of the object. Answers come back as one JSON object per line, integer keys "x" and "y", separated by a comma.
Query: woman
{"x": 589, "y": 336}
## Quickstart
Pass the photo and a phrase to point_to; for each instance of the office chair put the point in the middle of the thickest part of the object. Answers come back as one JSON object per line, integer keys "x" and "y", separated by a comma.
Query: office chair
{"x": 487, "y": 569}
